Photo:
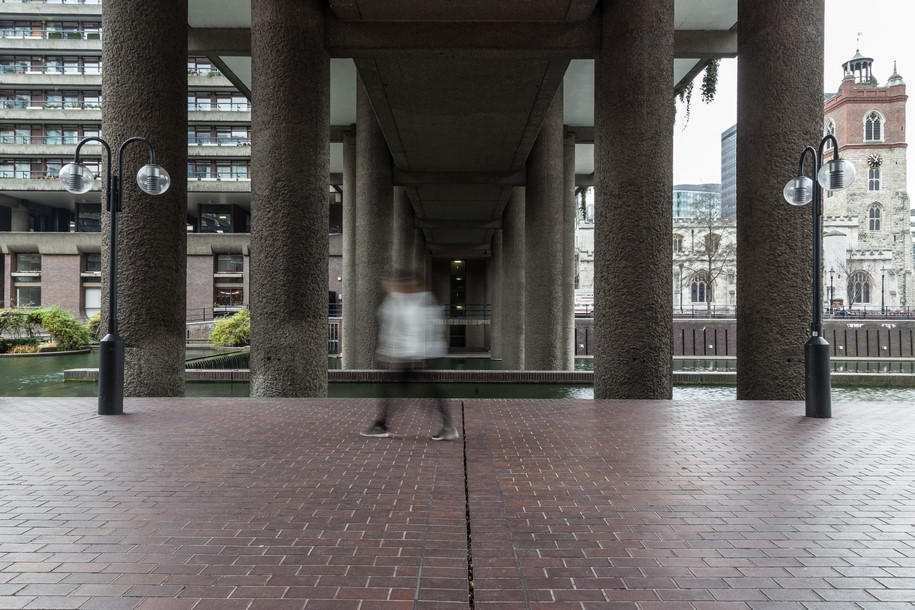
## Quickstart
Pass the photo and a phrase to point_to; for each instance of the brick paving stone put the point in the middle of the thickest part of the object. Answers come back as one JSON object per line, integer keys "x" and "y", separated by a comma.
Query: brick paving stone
{"x": 235, "y": 503}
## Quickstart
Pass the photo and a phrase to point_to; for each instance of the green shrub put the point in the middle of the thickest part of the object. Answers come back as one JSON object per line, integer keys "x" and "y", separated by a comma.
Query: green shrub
{"x": 64, "y": 329}
{"x": 234, "y": 331}
{"x": 23, "y": 349}
{"x": 18, "y": 323}
{"x": 7, "y": 345}
{"x": 94, "y": 322}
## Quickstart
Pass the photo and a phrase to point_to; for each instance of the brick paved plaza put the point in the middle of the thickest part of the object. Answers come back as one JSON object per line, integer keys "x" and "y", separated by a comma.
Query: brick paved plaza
{"x": 236, "y": 503}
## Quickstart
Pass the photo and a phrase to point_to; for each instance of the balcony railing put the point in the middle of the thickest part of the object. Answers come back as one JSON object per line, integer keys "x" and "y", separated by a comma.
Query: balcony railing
{"x": 21, "y": 174}
{"x": 224, "y": 176}
{"x": 218, "y": 141}
{"x": 54, "y": 70}
{"x": 27, "y": 34}
{"x": 47, "y": 140}
{"x": 13, "y": 104}
{"x": 220, "y": 106}
{"x": 94, "y": 2}
{"x": 211, "y": 72}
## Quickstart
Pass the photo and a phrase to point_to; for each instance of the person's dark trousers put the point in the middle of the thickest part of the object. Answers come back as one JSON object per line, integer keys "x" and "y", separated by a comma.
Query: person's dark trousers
{"x": 405, "y": 374}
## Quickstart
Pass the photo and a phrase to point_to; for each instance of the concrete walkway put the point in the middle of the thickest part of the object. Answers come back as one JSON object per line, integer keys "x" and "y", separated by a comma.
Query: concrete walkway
{"x": 237, "y": 503}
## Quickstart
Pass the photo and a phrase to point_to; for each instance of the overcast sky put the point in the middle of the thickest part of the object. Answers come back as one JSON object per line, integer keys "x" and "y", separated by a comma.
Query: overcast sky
{"x": 886, "y": 34}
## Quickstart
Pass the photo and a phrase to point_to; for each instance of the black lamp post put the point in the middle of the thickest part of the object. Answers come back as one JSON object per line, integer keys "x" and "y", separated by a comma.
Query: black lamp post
{"x": 152, "y": 180}
{"x": 832, "y": 272}
{"x": 882, "y": 291}
{"x": 680, "y": 277}
{"x": 834, "y": 175}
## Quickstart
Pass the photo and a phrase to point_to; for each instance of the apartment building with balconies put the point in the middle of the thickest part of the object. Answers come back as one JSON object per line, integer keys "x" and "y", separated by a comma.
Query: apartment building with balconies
{"x": 50, "y": 98}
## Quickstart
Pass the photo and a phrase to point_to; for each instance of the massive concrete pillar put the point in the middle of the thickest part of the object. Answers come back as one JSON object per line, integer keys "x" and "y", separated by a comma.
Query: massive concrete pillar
{"x": 402, "y": 232}
{"x": 495, "y": 297}
{"x": 567, "y": 316}
{"x": 543, "y": 228}
{"x": 634, "y": 170}
{"x": 289, "y": 173}
{"x": 374, "y": 207}
{"x": 349, "y": 247}
{"x": 145, "y": 89}
{"x": 774, "y": 239}
{"x": 513, "y": 264}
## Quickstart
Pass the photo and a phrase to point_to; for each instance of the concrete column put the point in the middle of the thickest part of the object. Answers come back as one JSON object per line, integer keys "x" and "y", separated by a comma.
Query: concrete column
{"x": 419, "y": 254}
{"x": 374, "y": 207}
{"x": 495, "y": 297}
{"x": 19, "y": 220}
{"x": 289, "y": 173}
{"x": 145, "y": 87}
{"x": 543, "y": 228}
{"x": 633, "y": 225}
{"x": 402, "y": 232}
{"x": 513, "y": 264}
{"x": 774, "y": 239}
{"x": 567, "y": 315}
{"x": 349, "y": 247}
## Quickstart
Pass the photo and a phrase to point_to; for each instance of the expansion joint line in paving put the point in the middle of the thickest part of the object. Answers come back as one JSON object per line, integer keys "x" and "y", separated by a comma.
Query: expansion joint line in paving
{"x": 467, "y": 509}
{"x": 422, "y": 556}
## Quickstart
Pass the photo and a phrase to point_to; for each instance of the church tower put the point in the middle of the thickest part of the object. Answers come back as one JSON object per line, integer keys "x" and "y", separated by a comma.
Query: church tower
{"x": 867, "y": 239}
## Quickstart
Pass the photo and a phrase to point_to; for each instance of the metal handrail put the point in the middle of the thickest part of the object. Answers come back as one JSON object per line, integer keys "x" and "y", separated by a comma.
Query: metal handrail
{"x": 14, "y": 104}
{"x": 93, "y": 2}
{"x": 236, "y": 176}
{"x": 219, "y": 106}
{"x": 51, "y": 34}
{"x": 30, "y": 139}
{"x": 219, "y": 141}
{"x": 53, "y": 70}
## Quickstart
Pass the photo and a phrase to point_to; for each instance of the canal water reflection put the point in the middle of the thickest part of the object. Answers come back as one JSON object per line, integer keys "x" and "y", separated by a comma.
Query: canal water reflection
{"x": 43, "y": 376}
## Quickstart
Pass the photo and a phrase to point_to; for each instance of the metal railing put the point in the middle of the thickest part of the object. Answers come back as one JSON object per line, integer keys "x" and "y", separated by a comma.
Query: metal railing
{"x": 18, "y": 174}
{"x": 219, "y": 141}
{"x": 27, "y": 33}
{"x": 219, "y": 176}
{"x": 54, "y": 69}
{"x": 870, "y": 312}
{"x": 478, "y": 311}
{"x": 13, "y": 104}
{"x": 203, "y": 72}
{"x": 48, "y": 140}
{"x": 220, "y": 106}
{"x": 94, "y": 2}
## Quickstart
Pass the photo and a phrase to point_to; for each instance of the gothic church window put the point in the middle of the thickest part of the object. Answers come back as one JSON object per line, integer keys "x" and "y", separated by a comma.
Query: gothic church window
{"x": 829, "y": 130}
{"x": 873, "y": 127}
{"x": 699, "y": 289}
{"x": 873, "y": 217}
{"x": 859, "y": 288}
{"x": 678, "y": 243}
{"x": 873, "y": 179}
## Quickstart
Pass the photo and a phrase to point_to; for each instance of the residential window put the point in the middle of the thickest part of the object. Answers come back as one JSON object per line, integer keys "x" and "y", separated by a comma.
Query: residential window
{"x": 89, "y": 217}
{"x": 94, "y": 261}
{"x": 859, "y": 288}
{"x": 873, "y": 127}
{"x": 873, "y": 179}
{"x": 230, "y": 263}
{"x": 873, "y": 218}
{"x": 215, "y": 219}
{"x": 28, "y": 296}
{"x": 92, "y": 300}
{"x": 28, "y": 262}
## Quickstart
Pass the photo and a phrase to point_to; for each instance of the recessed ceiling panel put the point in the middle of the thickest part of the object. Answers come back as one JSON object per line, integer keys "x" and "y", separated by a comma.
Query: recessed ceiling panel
{"x": 705, "y": 14}
{"x": 466, "y": 10}
{"x": 218, "y": 13}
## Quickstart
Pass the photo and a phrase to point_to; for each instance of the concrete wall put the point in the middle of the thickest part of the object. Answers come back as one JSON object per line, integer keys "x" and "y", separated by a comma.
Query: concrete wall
{"x": 199, "y": 284}
{"x": 60, "y": 282}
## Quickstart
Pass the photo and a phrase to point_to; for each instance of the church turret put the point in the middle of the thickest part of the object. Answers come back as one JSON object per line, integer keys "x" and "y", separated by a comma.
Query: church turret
{"x": 859, "y": 69}
{"x": 895, "y": 79}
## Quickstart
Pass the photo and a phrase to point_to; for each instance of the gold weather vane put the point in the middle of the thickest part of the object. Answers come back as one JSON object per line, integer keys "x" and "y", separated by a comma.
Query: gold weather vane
{"x": 858, "y": 41}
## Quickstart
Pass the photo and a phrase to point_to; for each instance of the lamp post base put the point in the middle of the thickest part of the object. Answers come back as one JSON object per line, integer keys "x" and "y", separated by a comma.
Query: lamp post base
{"x": 817, "y": 386}
{"x": 111, "y": 376}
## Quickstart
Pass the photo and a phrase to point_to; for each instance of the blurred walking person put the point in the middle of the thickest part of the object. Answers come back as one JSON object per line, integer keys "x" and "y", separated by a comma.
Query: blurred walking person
{"x": 410, "y": 330}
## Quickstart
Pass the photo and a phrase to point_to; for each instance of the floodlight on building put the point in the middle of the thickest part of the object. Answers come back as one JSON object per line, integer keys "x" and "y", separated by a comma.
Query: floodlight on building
{"x": 834, "y": 175}
{"x": 152, "y": 180}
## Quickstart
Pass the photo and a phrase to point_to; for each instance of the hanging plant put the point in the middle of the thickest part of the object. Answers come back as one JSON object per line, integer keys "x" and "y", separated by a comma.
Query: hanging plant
{"x": 708, "y": 88}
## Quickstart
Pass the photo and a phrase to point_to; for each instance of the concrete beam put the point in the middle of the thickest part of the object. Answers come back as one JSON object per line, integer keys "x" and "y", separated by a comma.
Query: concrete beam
{"x": 219, "y": 41}
{"x": 705, "y": 43}
{"x": 573, "y": 39}
{"x": 426, "y": 223}
{"x": 408, "y": 178}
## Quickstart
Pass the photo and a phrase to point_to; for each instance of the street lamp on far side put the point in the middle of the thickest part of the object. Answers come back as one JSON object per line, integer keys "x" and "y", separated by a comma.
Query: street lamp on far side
{"x": 152, "y": 180}
{"x": 834, "y": 175}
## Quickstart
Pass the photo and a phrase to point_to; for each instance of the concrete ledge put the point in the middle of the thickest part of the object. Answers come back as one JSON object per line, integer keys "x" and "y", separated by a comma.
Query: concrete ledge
{"x": 67, "y": 353}
{"x": 545, "y": 377}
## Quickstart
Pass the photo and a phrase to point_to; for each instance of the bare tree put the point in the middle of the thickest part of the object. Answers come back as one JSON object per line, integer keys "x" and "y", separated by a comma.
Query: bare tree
{"x": 716, "y": 251}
